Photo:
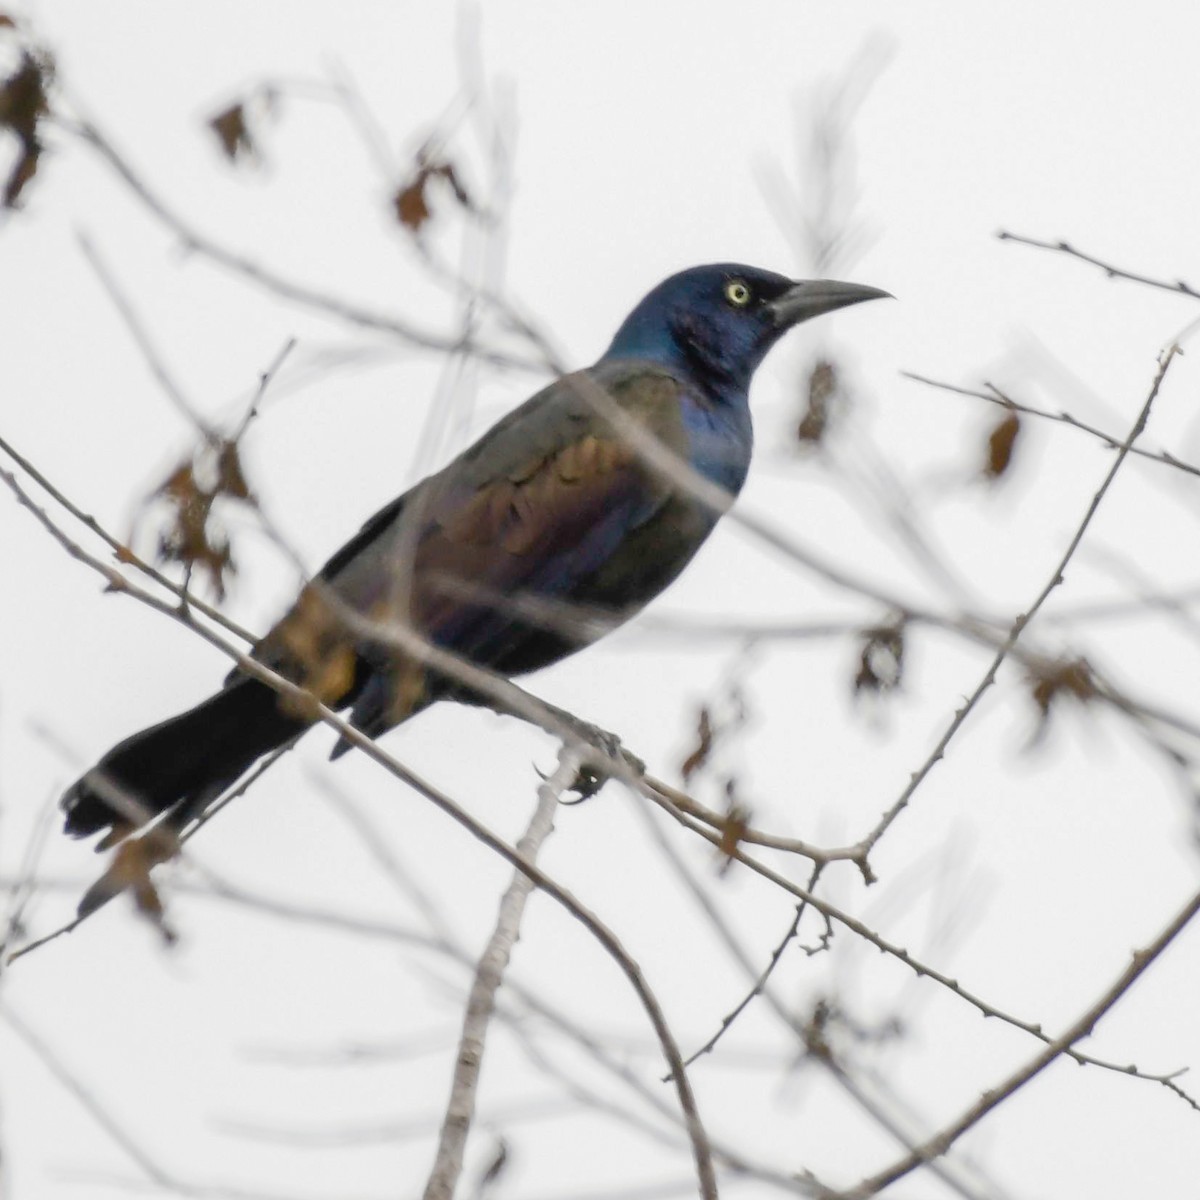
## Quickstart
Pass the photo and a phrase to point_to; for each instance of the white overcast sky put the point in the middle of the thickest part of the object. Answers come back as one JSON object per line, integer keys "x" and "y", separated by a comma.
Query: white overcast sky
{"x": 643, "y": 135}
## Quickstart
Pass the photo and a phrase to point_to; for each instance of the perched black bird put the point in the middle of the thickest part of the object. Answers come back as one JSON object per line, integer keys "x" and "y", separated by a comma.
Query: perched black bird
{"x": 553, "y": 506}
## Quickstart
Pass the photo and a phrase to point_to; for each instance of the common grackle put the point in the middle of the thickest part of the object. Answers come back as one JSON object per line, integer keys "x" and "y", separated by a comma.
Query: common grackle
{"x": 554, "y": 511}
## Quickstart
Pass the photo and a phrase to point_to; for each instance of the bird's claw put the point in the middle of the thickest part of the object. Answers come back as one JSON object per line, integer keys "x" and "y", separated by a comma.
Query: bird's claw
{"x": 596, "y": 769}
{"x": 601, "y": 751}
{"x": 587, "y": 782}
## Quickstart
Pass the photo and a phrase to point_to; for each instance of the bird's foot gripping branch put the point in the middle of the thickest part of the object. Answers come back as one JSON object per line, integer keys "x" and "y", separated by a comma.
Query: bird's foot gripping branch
{"x": 603, "y": 756}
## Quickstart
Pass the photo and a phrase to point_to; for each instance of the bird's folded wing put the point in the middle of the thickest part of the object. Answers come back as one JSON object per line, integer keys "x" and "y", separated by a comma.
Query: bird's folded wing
{"x": 537, "y": 506}
{"x": 532, "y": 510}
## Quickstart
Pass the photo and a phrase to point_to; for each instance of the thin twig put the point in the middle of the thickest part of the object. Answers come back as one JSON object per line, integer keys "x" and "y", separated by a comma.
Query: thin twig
{"x": 764, "y": 976}
{"x": 726, "y": 935}
{"x": 993, "y": 395}
{"x": 264, "y": 382}
{"x": 1112, "y": 272}
{"x": 139, "y": 333}
{"x": 382, "y": 853}
{"x": 23, "y": 893}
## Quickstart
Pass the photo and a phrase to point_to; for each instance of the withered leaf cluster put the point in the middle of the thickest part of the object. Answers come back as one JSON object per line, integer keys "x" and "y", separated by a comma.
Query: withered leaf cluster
{"x": 189, "y": 537}
{"x": 23, "y": 103}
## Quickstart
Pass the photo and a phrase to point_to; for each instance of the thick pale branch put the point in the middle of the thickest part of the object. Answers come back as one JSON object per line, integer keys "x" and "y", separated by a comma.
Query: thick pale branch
{"x": 481, "y": 1000}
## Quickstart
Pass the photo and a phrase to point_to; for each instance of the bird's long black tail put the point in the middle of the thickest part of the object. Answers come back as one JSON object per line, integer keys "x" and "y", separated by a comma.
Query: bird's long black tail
{"x": 180, "y": 764}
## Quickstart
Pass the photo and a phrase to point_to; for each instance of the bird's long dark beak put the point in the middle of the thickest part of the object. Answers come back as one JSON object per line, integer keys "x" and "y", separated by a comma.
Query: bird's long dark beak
{"x": 812, "y": 297}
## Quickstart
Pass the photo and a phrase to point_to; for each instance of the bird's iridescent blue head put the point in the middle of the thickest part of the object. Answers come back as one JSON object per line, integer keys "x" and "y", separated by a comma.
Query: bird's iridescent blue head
{"x": 715, "y": 324}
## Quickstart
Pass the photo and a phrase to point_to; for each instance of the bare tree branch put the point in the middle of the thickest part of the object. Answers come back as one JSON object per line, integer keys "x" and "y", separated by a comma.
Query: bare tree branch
{"x": 481, "y": 1000}
{"x": 1112, "y": 272}
{"x": 942, "y": 1141}
{"x": 265, "y": 277}
{"x": 1019, "y": 625}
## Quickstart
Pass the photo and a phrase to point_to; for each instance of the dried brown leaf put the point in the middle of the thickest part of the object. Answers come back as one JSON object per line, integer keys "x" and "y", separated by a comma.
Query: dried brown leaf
{"x": 816, "y": 1029}
{"x": 187, "y": 539}
{"x": 881, "y": 660}
{"x": 705, "y": 736}
{"x": 411, "y": 201}
{"x": 129, "y": 871}
{"x": 1051, "y": 681}
{"x": 735, "y": 822}
{"x": 412, "y": 211}
{"x": 233, "y": 132}
{"x": 231, "y": 481}
{"x": 1000, "y": 445}
{"x": 734, "y": 825}
{"x": 24, "y": 169}
{"x": 23, "y": 103}
{"x": 822, "y": 387}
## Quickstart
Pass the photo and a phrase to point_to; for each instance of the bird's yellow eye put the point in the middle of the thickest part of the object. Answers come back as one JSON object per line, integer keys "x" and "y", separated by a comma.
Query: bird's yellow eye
{"x": 737, "y": 293}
